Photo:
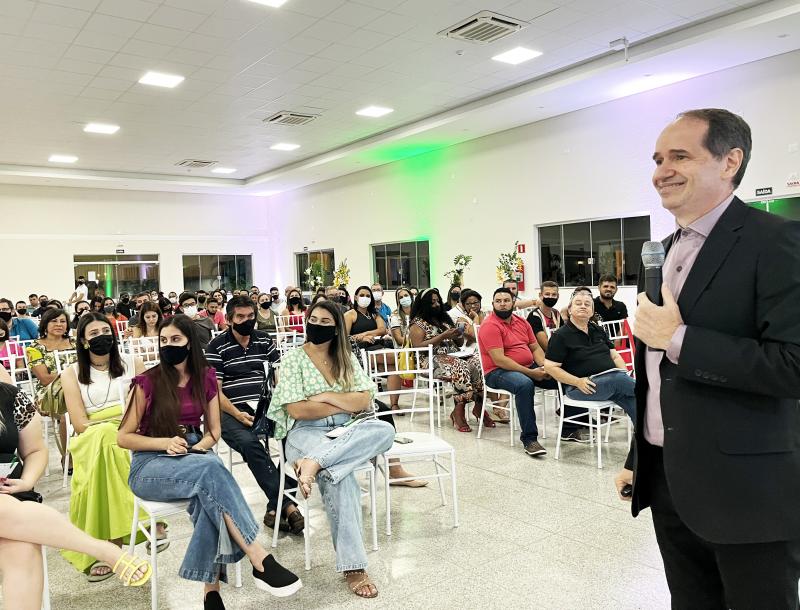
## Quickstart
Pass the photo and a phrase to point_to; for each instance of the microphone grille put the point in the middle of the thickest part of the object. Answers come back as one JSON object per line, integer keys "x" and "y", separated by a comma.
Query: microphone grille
{"x": 653, "y": 254}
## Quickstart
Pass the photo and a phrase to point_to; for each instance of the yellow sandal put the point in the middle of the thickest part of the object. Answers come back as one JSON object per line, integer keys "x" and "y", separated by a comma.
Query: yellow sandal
{"x": 130, "y": 566}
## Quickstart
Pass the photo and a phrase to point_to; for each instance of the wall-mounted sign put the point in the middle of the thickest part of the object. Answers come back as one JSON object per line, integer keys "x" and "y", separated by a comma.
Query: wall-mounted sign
{"x": 120, "y": 250}
{"x": 520, "y": 248}
{"x": 767, "y": 190}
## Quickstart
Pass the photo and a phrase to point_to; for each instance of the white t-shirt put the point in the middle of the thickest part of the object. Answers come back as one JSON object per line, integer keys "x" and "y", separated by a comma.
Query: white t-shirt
{"x": 83, "y": 292}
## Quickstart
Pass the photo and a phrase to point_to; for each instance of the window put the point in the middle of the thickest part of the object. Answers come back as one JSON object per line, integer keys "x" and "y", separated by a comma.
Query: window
{"x": 402, "y": 264}
{"x": 114, "y": 274}
{"x": 578, "y": 253}
{"x": 323, "y": 261}
{"x": 788, "y": 207}
{"x": 212, "y": 271}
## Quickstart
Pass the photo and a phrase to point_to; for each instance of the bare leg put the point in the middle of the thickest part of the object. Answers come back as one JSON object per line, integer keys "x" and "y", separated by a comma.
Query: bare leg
{"x": 42, "y": 525}
{"x": 21, "y": 565}
{"x": 254, "y": 551}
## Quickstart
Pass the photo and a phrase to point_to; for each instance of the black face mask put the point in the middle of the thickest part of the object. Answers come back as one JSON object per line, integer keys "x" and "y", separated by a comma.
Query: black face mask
{"x": 550, "y": 301}
{"x": 275, "y": 297}
{"x": 174, "y": 354}
{"x": 503, "y": 315}
{"x": 455, "y": 296}
{"x": 43, "y": 303}
{"x": 109, "y": 309}
{"x": 125, "y": 299}
{"x": 101, "y": 345}
{"x": 317, "y": 333}
{"x": 5, "y": 315}
{"x": 265, "y": 305}
{"x": 342, "y": 299}
{"x": 245, "y": 328}
{"x": 22, "y": 312}
{"x": 294, "y": 301}
{"x": 201, "y": 299}
{"x": 81, "y": 282}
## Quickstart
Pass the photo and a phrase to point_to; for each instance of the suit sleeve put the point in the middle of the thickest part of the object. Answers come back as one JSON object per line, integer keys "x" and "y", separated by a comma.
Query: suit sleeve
{"x": 769, "y": 365}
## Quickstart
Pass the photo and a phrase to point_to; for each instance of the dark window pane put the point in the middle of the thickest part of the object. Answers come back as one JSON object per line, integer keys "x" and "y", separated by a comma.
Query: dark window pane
{"x": 550, "y": 254}
{"x": 788, "y": 207}
{"x": 635, "y": 231}
{"x": 244, "y": 271}
{"x": 379, "y": 261}
{"x": 394, "y": 266}
{"x": 302, "y": 265}
{"x": 423, "y": 279}
{"x": 576, "y": 254}
{"x": 112, "y": 276}
{"x": 606, "y": 249}
{"x": 191, "y": 272}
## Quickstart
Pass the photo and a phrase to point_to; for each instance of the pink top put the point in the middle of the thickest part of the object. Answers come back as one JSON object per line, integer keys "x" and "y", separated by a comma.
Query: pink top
{"x": 677, "y": 266}
{"x": 218, "y": 319}
{"x": 10, "y": 348}
{"x": 191, "y": 412}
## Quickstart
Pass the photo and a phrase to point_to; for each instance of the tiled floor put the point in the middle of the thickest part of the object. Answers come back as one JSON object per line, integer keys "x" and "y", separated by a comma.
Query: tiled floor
{"x": 534, "y": 533}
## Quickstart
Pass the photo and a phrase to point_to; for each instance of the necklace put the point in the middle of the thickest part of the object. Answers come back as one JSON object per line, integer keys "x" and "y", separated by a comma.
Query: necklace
{"x": 105, "y": 400}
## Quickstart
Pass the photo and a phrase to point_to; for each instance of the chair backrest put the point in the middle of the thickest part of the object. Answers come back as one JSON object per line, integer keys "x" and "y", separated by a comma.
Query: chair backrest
{"x": 619, "y": 333}
{"x": 145, "y": 348}
{"x": 122, "y": 326}
{"x": 523, "y": 313}
{"x": 64, "y": 358}
{"x": 290, "y": 331}
{"x": 383, "y": 363}
{"x": 478, "y": 345}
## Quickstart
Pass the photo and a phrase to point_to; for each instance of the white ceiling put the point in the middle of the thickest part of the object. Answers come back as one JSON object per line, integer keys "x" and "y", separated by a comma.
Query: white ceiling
{"x": 64, "y": 63}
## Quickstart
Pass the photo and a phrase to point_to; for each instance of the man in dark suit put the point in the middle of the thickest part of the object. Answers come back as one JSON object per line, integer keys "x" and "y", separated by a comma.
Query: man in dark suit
{"x": 716, "y": 454}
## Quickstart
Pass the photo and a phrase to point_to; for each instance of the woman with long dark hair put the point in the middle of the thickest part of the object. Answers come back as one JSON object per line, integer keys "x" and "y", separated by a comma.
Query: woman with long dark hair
{"x": 172, "y": 461}
{"x": 101, "y": 503}
{"x": 148, "y": 321}
{"x": 322, "y": 387}
{"x": 430, "y": 325}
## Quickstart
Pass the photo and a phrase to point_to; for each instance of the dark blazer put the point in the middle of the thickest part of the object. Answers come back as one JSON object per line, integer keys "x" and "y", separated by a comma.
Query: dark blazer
{"x": 730, "y": 407}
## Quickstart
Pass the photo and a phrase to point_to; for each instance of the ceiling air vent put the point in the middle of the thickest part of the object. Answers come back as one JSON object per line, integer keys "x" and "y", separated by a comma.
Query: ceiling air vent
{"x": 286, "y": 117}
{"x": 194, "y": 163}
{"x": 483, "y": 28}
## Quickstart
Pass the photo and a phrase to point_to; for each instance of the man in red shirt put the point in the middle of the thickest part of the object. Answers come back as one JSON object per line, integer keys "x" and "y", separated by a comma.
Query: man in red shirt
{"x": 508, "y": 351}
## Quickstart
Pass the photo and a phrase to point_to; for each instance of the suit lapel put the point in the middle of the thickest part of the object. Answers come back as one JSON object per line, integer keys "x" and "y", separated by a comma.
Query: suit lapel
{"x": 715, "y": 250}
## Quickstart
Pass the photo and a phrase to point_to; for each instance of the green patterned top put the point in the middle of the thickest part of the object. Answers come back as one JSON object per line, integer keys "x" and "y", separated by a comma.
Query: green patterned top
{"x": 299, "y": 379}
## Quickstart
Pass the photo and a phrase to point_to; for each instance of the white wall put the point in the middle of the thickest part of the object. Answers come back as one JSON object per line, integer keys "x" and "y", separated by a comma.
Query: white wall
{"x": 479, "y": 197}
{"x": 476, "y": 198}
{"x": 44, "y": 227}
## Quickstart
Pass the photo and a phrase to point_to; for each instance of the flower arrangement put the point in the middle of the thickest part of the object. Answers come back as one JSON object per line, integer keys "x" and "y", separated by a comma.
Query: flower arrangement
{"x": 314, "y": 274}
{"x": 460, "y": 265}
{"x": 508, "y": 265}
{"x": 341, "y": 276}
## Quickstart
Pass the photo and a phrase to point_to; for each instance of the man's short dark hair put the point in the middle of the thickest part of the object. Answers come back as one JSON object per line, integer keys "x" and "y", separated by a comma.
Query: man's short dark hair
{"x": 23, "y": 302}
{"x": 239, "y": 301}
{"x": 31, "y": 296}
{"x": 549, "y": 284}
{"x": 607, "y": 277}
{"x": 274, "y": 288}
{"x": 510, "y": 280}
{"x": 185, "y": 296}
{"x": 726, "y": 131}
{"x": 10, "y": 304}
{"x": 502, "y": 290}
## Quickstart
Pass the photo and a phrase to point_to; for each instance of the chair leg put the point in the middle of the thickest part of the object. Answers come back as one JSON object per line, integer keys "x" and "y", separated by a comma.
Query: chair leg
{"x": 373, "y": 510}
{"x": 454, "y": 487}
{"x": 439, "y": 479}
{"x": 512, "y": 417}
{"x": 45, "y": 581}
{"x": 608, "y": 427}
{"x": 599, "y": 442}
{"x": 154, "y": 563}
{"x": 544, "y": 414}
{"x": 306, "y": 533}
{"x": 66, "y": 464}
{"x": 279, "y": 508}
{"x": 388, "y": 495}
{"x": 560, "y": 428}
{"x": 134, "y": 525}
{"x": 483, "y": 413}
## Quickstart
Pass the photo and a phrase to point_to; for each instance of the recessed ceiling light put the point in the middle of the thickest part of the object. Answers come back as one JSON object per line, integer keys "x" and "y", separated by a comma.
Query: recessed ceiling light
{"x": 159, "y": 79}
{"x": 516, "y": 56}
{"x": 223, "y": 170}
{"x": 284, "y": 146}
{"x": 101, "y": 128}
{"x": 272, "y": 3}
{"x": 62, "y": 158}
{"x": 374, "y": 111}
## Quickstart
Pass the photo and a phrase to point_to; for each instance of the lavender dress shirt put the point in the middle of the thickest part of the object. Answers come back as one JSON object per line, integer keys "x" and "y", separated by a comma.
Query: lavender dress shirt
{"x": 679, "y": 262}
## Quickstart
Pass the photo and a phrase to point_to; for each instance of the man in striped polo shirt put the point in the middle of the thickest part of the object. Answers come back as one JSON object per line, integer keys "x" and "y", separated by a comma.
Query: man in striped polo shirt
{"x": 239, "y": 355}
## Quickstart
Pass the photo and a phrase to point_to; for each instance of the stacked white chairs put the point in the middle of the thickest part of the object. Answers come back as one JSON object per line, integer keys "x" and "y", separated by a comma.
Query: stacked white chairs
{"x": 63, "y": 359}
{"x": 423, "y": 446}
{"x": 122, "y": 326}
{"x": 145, "y": 348}
{"x": 598, "y": 414}
{"x": 506, "y": 402}
{"x": 293, "y": 494}
{"x": 290, "y": 331}
{"x": 619, "y": 333}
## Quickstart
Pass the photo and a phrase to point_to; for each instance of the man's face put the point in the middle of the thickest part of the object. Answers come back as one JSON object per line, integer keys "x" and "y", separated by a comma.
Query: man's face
{"x": 377, "y": 288}
{"x": 687, "y": 177}
{"x": 140, "y": 300}
{"x": 582, "y": 306}
{"x": 212, "y": 306}
{"x": 274, "y": 294}
{"x": 5, "y": 307}
{"x": 331, "y": 294}
{"x": 503, "y": 301}
{"x": 512, "y": 286}
{"x": 34, "y": 301}
{"x": 242, "y": 314}
{"x": 548, "y": 292}
{"x": 608, "y": 290}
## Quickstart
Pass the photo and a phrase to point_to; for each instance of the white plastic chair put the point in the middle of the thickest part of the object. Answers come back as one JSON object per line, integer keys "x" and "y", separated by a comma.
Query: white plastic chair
{"x": 145, "y": 348}
{"x": 63, "y": 360}
{"x": 45, "y": 581}
{"x": 510, "y": 402}
{"x": 121, "y": 326}
{"x": 599, "y": 414}
{"x": 623, "y": 343}
{"x": 424, "y": 446}
{"x": 286, "y": 334}
{"x": 294, "y": 495}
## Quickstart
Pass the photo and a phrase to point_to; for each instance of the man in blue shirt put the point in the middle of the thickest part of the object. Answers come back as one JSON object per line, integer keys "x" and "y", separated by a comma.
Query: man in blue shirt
{"x": 24, "y": 328}
{"x": 384, "y": 311}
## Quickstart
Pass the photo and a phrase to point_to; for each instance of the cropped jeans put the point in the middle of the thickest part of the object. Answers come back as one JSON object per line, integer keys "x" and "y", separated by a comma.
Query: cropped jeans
{"x": 616, "y": 386}
{"x": 213, "y": 492}
{"x": 341, "y": 493}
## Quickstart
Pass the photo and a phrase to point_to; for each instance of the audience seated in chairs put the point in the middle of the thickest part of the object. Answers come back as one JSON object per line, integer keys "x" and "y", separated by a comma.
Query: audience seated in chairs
{"x": 579, "y": 350}
{"x": 96, "y": 304}
{"x": 54, "y": 336}
{"x": 295, "y": 309}
{"x": 321, "y": 387}
{"x": 213, "y": 312}
{"x": 468, "y": 313}
{"x": 20, "y": 325}
{"x": 430, "y": 325}
{"x": 265, "y": 316}
{"x": 138, "y": 300}
{"x": 10, "y": 351}
{"x": 453, "y": 297}
{"x": 124, "y": 305}
{"x": 400, "y": 320}
{"x": 169, "y": 403}
{"x": 110, "y": 310}
{"x": 187, "y": 305}
{"x": 381, "y": 308}
{"x": 39, "y": 304}
{"x": 81, "y": 307}
{"x": 605, "y": 307}
{"x": 239, "y": 355}
{"x": 510, "y": 351}
{"x": 149, "y": 320}
{"x": 100, "y": 503}
{"x": 277, "y": 302}
{"x": 26, "y": 525}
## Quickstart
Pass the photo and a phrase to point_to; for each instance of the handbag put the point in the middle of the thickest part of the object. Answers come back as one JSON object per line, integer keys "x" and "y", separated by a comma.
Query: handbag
{"x": 263, "y": 425}
{"x": 405, "y": 361}
{"x": 51, "y": 399}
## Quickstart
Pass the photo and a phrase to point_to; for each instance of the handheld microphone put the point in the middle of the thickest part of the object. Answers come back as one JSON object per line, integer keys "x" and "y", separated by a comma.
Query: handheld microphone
{"x": 653, "y": 260}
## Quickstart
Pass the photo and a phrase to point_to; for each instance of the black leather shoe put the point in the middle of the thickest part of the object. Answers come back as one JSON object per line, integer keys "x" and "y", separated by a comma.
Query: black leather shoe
{"x": 275, "y": 579}
{"x": 269, "y": 521}
{"x": 213, "y": 601}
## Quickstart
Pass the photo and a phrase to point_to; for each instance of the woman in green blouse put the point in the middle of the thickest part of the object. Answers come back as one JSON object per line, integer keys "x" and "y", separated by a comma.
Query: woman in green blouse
{"x": 321, "y": 388}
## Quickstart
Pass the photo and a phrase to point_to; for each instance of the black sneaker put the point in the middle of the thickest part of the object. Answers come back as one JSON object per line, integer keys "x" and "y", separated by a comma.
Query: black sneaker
{"x": 534, "y": 448}
{"x": 574, "y": 436}
{"x": 213, "y": 601}
{"x": 275, "y": 579}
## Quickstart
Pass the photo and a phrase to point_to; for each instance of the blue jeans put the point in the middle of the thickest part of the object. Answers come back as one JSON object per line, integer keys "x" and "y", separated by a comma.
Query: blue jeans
{"x": 611, "y": 386}
{"x": 341, "y": 493}
{"x": 213, "y": 493}
{"x": 522, "y": 387}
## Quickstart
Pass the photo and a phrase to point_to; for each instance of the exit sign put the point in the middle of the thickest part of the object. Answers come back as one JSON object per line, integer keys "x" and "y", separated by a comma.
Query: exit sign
{"x": 120, "y": 250}
{"x": 767, "y": 190}
{"x": 520, "y": 248}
